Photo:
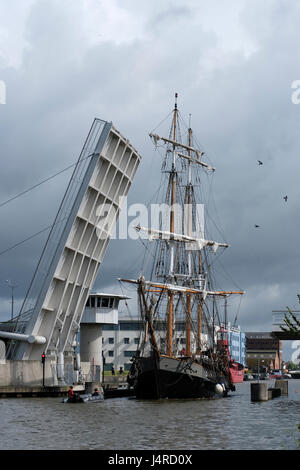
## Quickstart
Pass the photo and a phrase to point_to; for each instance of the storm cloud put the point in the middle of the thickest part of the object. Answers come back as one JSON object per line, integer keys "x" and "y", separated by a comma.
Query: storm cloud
{"x": 233, "y": 65}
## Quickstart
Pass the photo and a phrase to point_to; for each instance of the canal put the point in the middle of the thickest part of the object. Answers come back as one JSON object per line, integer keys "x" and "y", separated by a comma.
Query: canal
{"x": 232, "y": 423}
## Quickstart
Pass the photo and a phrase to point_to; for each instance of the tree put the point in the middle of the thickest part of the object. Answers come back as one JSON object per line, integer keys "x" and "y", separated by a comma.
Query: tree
{"x": 292, "y": 323}
{"x": 291, "y": 366}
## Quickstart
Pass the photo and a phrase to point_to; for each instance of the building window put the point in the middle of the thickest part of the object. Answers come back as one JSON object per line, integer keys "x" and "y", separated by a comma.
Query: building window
{"x": 133, "y": 325}
{"x": 126, "y": 340}
{"x": 136, "y": 340}
{"x": 129, "y": 353}
{"x": 105, "y": 302}
{"x": 111, "y": 340}
{"x": 110, "y": 353}
{"x": 110, "y": 327}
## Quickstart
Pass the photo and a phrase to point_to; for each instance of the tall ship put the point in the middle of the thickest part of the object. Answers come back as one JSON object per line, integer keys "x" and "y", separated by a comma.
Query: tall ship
{"x": 182, "y": 351}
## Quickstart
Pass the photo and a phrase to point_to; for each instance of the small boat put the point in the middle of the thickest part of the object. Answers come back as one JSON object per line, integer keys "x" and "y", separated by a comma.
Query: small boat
{"x": 86, "y": 398}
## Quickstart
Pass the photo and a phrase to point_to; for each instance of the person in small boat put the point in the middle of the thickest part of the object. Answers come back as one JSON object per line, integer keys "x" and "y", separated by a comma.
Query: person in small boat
{"x": 71, "y": 394}
{"x": 96, "y": 393}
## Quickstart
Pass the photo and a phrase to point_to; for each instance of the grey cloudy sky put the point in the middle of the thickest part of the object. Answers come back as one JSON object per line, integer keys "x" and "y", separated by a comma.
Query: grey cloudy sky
{"x": 232, "y": 63}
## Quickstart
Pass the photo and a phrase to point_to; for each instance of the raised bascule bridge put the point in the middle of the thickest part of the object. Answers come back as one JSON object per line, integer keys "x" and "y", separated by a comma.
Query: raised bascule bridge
{"x": 47, "y": 326}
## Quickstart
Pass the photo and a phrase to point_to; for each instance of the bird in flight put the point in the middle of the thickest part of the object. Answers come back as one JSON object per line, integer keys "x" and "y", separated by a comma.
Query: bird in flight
{"x": 256, "y": 226}
{"x": 285, "y": 198}
{"x": 260, "y": 162}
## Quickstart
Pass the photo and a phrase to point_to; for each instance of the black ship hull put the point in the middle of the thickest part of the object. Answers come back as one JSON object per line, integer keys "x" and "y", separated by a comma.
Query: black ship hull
{"x": 155, "y": 378}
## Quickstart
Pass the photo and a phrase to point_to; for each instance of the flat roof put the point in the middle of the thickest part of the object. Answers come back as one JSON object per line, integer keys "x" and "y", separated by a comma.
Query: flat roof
{"x": 103, "y": 294}
{"x": 258, "y": 334}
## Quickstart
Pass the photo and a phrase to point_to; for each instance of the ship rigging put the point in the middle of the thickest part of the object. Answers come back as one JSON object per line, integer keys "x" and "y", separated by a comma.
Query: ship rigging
{"x": 180, "y": 290}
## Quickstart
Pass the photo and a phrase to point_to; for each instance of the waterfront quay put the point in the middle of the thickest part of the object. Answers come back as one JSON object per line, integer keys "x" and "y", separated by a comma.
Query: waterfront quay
{"x": 37, "y": 391}
{"x": 112, "y": 387}
{"x": 232, "y": 423}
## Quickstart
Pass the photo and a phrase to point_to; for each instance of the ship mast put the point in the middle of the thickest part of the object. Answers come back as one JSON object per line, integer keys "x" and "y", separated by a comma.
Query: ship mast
{"x": 188, "y": 297}
{"x": 200, "y": 302}
{"x": 170, "y": 315}
{"x": 225, "y": 314}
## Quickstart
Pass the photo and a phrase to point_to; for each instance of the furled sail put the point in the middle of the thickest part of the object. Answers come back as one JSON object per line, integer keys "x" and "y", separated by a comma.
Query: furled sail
{"x": 192, "y": 243}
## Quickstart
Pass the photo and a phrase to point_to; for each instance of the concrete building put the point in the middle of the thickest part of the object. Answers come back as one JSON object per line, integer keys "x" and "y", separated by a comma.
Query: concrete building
{"x": 121, "y": 340}
{"x": 101, "y": 311}
{"x": 263, "y": 351}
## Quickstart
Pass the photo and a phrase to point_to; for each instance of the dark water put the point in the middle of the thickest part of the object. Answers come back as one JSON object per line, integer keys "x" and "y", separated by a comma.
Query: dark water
{"x": 128, "y": 424}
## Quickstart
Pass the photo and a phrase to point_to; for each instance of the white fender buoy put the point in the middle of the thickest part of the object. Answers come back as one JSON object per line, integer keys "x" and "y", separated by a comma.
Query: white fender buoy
{"x": 219, "y": 388}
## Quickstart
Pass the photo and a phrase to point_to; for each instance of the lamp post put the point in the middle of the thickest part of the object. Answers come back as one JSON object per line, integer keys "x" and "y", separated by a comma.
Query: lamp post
{"x": 103, "y": 364}
{"x": 258, "y": 368}
{"x": 12, "y": 286}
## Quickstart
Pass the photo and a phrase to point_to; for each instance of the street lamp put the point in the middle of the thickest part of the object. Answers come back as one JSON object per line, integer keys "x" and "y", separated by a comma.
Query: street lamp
{"x": 103, "y": 364}
{"x": 258, "y": 367}
{"x": 12, "y": 286}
